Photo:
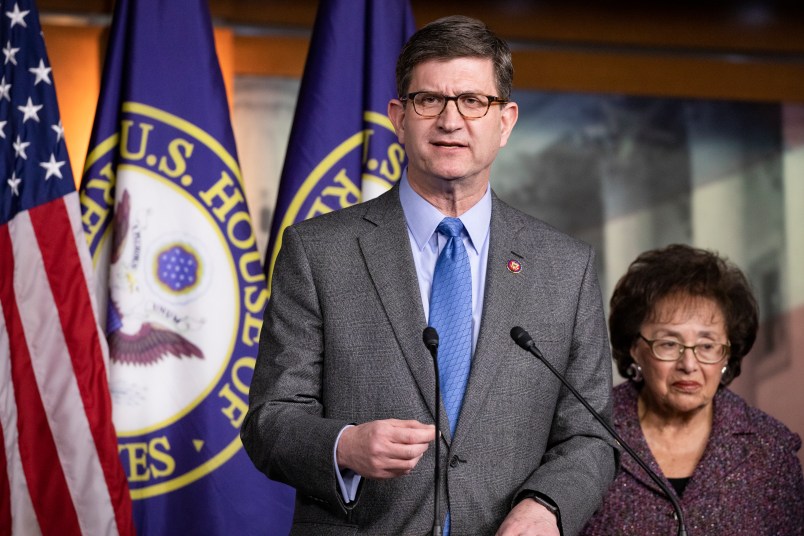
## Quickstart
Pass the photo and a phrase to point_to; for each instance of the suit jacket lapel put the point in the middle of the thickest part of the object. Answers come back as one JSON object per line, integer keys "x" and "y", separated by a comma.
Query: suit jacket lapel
{"x": 627, "y": 424}
{"x": 725, "y": 450}
{"x": 631, "y": 433}
{"x": 728, "y": 446}
{"x": 389, "y": 261}
{"x": 503, "y": 295}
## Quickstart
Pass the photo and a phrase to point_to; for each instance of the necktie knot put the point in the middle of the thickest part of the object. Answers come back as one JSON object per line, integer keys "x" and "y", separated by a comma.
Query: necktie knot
{"x": 451, "y": 227}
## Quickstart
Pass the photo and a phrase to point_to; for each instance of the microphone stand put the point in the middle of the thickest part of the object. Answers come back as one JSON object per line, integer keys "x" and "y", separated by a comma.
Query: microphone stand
{"x": 430, "y": 336}
{"x": 525, "y": 341}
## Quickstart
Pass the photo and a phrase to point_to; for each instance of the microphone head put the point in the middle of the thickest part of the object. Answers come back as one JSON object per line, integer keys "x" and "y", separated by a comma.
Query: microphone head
{"x": 430, "y": 337}
{"x": 521, "y": 337}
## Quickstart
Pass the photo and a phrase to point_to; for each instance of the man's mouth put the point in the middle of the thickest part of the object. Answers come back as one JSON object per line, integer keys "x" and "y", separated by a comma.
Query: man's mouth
{"x": 448, "y": 144}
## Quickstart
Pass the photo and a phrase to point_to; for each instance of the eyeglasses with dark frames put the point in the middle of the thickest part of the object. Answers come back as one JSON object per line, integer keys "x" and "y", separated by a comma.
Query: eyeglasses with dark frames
{"x": 470, "y": 105}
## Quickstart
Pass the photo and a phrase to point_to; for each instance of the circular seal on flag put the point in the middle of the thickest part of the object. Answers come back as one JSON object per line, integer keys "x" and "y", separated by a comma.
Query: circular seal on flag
{"x": 176, "y": 268}
{"x": 185, "y": 297}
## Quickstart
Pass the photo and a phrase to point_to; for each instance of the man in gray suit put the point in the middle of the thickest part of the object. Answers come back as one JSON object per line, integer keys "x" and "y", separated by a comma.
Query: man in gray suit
{"x": 342, "y": 405}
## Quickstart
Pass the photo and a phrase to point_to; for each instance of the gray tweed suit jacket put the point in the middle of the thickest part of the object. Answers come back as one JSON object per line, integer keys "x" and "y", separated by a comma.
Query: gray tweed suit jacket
{"x": 342, "y": 343}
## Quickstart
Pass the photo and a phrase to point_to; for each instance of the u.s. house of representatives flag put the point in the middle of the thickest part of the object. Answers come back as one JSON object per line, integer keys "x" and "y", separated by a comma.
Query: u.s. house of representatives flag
{"x": 59, "y": 469}
{"x": 173, "y": 246}
{"x": 342, "y": 146}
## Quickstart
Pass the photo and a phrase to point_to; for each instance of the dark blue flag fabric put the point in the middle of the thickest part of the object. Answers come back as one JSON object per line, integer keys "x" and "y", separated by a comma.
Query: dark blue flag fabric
{"x": 182, "y": 287}
{"x": 342, "y": 146}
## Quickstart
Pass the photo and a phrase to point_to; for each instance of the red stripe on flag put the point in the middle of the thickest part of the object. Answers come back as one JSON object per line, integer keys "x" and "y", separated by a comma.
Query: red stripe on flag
{"x": 54, "y": 234}
{"x": 40, "y": 461}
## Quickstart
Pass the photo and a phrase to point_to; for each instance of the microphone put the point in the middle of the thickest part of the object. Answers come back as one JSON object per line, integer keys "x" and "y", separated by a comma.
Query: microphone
{"x": 430, "y": 338}
{"x": 524, "y": 340}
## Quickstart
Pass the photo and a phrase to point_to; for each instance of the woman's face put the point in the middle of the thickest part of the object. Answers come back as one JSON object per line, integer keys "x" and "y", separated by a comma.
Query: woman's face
{"x": 682, "y": 387}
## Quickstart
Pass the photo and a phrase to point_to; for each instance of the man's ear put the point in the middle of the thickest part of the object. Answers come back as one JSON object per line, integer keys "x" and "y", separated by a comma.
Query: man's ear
{"x": 396, "y": 113}
{"x": 508, "y": 117}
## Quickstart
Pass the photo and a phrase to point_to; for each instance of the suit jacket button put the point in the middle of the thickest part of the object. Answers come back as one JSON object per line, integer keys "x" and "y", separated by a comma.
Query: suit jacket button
{"x": 454, "y": 461}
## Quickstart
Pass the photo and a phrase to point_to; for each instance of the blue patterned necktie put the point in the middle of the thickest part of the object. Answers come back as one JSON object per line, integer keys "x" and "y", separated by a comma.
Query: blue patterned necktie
{"x": 451, "y": 316}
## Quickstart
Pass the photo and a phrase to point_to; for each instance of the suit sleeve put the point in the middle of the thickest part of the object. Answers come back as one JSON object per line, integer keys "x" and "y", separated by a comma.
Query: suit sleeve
{"x": 581, "y": 459}
{"x": 285, "y": 431}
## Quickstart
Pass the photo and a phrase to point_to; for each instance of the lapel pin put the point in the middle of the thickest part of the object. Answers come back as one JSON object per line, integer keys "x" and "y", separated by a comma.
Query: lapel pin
{"x": 514, "y": 266}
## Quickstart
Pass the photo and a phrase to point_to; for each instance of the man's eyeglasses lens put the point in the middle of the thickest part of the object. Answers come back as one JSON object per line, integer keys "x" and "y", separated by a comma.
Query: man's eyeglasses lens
{"x": 470, "y": 105}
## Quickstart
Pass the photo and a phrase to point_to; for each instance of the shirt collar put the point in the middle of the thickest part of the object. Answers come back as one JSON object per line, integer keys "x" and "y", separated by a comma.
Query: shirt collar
{"x": 423, "y": 218}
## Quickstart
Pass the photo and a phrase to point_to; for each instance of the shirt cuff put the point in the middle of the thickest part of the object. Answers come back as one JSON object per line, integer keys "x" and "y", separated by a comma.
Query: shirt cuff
{"x": 348, "y": 480}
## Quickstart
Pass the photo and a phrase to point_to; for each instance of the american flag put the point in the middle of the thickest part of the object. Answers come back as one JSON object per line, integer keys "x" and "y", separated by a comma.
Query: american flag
{"x": 59, "y": 468}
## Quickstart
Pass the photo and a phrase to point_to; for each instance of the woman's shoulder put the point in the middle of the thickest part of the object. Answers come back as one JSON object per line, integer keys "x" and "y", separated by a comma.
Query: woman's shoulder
{"x": 624, "y": 402}
{"x": 744, "y": 418}
{"x": 624, "y": 394}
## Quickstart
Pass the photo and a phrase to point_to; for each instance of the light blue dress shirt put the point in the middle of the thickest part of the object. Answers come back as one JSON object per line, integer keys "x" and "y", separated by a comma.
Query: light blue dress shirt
{"x": 426, "y": 244}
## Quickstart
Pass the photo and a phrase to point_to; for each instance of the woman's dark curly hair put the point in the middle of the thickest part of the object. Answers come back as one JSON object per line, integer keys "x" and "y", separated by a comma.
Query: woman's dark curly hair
{"x": 683, "y": 270}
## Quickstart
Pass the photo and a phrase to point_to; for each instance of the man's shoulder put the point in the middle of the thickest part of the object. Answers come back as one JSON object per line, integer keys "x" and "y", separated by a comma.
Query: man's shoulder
{"x": 349, "y": 219}
{"x": 533, "y": 230}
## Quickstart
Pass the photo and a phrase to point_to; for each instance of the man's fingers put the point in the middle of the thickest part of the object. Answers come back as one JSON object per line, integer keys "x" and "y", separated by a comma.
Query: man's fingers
{"x": 405, "y": 442}
{"x": 386, "y": 448}
{"x": 413, "y": 432}
{"x": 405, "y": 451}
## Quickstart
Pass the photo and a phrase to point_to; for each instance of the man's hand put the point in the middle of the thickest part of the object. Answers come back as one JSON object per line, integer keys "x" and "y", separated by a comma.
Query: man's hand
{"x": 384, "y": 449}
{"x": 529, "y": 518}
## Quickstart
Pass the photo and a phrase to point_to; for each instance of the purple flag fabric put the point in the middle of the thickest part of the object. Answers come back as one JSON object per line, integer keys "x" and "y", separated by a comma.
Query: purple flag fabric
{"x": 182, "y": 287}
{"x": 342, "y": 146}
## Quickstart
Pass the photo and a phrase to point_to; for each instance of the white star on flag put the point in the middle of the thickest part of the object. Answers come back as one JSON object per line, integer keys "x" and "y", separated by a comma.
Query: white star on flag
{"x": 10, "y": 53}
{"x": 3, "y": 129}
{"x": 42, "y": 73}
{"x": 20, "y": 146}
{"x": 30, "y": 110}
{"x": 52, "y": 167}
{"x": 17, "y": 16}
{"x": 59, "y": 131}
{"x": 14, "y": 182}
{"x": 5, "y": 90}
